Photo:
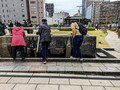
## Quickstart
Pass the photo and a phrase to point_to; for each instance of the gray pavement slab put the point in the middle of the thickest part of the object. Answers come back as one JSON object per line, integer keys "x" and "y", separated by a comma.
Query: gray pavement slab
{"x": 91, "y": 69}
{"x": 79, "y": 82}
{"x": 64, "y": 64}
{"x": 19, "y": 64}
{"x": 22, "y": 68}
{"x": 112, "y": 88}
{"x": 47, "y": 87}
{"x": 59, "y": 81}
{"x": 93, "y": 88}
{"x": 109, "y": 69}
{"x": 74, "y": 69}
{"x": 39, "y": 81}
{"x": 18, "y": 80}
{"x": 6, "y": 86}
{"x": 4, "y": 79}
{"x": 101, "y": 83}
{"x": 56, "y": 68}
{"x": 7, "y": 68}
{"x": 24, "y": 87}
{"x": 115, "y": 83}
{"x": 70, "y": 87}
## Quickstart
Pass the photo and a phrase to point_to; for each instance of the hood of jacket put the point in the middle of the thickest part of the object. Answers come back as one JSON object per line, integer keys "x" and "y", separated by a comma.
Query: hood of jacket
{"x": 17, "y": 28}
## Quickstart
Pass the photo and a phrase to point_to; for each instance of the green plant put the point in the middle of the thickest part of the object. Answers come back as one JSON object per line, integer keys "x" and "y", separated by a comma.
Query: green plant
{"x": 54, "y": 25}
{"x": 91, "y": 28}
{"x": 65, "y": 29}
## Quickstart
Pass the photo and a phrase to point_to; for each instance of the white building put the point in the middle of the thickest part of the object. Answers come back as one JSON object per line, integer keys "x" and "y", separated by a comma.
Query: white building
{"x": 58, "y": 18}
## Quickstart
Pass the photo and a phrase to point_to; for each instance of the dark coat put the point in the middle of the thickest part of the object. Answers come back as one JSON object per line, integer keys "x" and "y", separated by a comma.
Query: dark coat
{"x": 44, "y": 32}
{"x": 10, "y": 25}
{"x": 2, "y": 30}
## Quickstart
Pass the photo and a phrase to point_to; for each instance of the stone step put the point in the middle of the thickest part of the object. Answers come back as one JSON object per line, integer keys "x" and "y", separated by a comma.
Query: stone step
{"x": 97, "y": 60}
{"x": 62, "y": 67}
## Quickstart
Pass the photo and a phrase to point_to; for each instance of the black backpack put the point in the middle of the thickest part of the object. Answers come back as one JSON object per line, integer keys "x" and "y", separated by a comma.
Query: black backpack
{"x": 82, "y": 28}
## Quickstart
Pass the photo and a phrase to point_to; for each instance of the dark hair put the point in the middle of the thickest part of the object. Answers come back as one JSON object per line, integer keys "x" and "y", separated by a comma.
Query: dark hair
{"x": 18, "y": 24}
{"x": 24, "y": 20}
{"x": 0, "y": 22}
{"x": 29, "y": 22}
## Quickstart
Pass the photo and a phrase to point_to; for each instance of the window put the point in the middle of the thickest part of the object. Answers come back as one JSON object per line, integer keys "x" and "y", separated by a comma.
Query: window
{"x": 14, "y": 15}
{"x": 33, "y": 7}
{"x": 1, "y": 0}
{"x": 23, "y": 15}
{"x": 6, "y": 5}
{"x": 3, "y": 11}
{"x": 4, "y": 20}
{"x": 33, "y": 12}
{"x": 23, "y": 10}
{"x": 2, "y": 5}
{"x": 22, "y": 5}
{"x": 5, "y": 0}
{"x": 32, "y": 2}
{"x": 14, "y": 10}
{"x": 8, "y": 16}
{"x": 13, "y": 5}
{"x": 4, "y": 16}
{"x": 21, "y": 0}
{"x": 34, "y": 17}
{"x": 7, "y": 10}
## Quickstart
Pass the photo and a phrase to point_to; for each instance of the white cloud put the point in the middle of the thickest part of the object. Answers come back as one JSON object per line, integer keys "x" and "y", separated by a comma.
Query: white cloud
{"x": 66, "y": 5}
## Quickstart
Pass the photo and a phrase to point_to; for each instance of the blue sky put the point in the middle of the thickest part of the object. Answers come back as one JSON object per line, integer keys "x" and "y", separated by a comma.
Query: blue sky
{"x": 67, "y": 5}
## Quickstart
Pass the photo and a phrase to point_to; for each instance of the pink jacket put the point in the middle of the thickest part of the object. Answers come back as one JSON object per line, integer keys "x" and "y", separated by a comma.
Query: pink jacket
{"x": 18, "y": 37}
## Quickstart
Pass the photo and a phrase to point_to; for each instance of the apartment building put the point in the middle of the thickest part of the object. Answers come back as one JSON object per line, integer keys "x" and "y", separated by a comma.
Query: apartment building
{"x": 49, "y": 7}
{"x": 15, "y": 10}
{"x": 108, "y": 13}
{"x": 87, "y": 4}
{"x": 36, "y": 10}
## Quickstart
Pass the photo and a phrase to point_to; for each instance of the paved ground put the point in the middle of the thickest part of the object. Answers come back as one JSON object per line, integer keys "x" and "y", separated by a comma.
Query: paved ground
{"x": 45, "y": 81}
{"x": 113, "y": 41}
{"x": 66, "y": 67}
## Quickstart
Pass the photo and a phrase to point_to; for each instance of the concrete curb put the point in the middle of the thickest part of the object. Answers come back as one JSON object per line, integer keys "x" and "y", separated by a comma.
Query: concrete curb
{"x": 97, "y": 60}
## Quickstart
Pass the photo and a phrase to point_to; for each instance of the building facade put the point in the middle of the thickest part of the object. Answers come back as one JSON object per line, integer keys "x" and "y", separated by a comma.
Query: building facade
{"x": 36, "y": 9}
{"x": 108, "y": 13}
{"x": 57, "y": 18}
{"x": 49, "y": 7}
{"x": 87, "y": 4}
{"x": 15, "y": 10}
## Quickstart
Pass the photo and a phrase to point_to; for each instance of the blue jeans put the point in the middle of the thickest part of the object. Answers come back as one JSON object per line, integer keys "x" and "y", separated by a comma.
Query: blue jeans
{"x": 18, "y": 48}
{"x": 45, "y": 50}
{"x": 77, "y": 42}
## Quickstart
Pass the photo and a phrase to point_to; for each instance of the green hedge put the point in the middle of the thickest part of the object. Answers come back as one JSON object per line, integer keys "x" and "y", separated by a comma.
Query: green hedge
{"x": 91, "y": 28}
{"x": 65, "y": 29}
{"x": 54, "y": 25}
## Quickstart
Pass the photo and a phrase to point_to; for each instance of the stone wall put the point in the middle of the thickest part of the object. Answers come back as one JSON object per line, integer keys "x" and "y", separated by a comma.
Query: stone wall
{"x": 59, "y": 47}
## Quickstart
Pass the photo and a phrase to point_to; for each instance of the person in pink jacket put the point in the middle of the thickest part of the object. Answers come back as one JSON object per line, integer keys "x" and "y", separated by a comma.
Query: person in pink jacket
{"x": 18, "y": 42}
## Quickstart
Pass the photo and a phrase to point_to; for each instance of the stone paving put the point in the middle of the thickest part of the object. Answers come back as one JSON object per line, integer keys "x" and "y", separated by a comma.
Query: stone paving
{"x": 113, "y": 40}
{"x": 51, "y": 81}
{"x": 59, "y": 67}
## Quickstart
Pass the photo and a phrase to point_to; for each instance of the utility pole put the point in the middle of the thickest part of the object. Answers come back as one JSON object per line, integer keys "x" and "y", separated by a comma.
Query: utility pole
{"x": 79, "y": 11}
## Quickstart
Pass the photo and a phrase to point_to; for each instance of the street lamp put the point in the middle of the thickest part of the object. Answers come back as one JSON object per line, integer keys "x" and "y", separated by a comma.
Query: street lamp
{"x": 79, "y": 12}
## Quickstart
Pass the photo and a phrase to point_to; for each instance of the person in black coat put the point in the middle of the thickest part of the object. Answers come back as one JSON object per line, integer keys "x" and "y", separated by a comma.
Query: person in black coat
{"x": 10, "y": 24}
{"x": 45, "y": 38}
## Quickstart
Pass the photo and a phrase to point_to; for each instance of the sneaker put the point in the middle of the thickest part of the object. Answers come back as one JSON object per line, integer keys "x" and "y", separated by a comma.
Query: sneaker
{"x": 72, "y": 57}
{"x": 47, "y": 58}
{"x": 81, "y": 59}
{"x": 44, "y": 62}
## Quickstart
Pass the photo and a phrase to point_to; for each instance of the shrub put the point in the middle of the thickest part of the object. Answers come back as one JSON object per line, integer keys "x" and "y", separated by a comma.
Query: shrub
{"x": 91, "y": 28}
{"x": 54, "y": 25}
{"x": 65, "y": 29}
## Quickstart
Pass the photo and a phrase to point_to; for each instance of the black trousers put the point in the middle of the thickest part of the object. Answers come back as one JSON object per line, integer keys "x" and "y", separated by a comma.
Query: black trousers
{"x": 18, "y": 48}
